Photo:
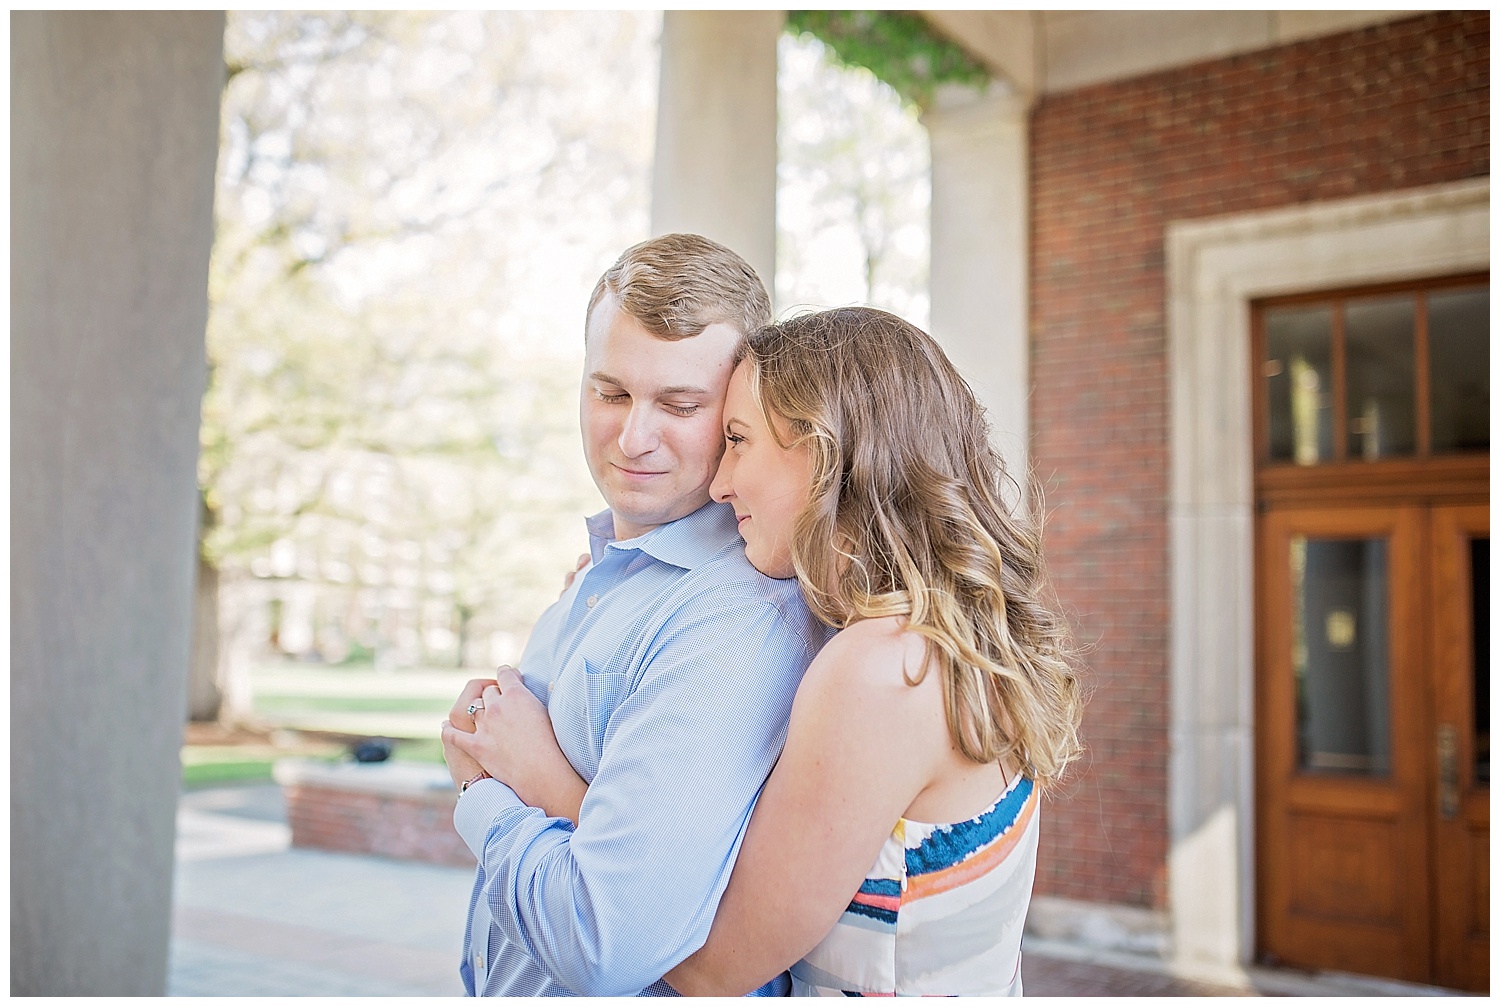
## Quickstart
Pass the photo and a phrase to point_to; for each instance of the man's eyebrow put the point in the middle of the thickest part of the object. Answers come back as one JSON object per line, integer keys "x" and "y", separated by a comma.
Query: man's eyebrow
{"x": 608, "y": 379}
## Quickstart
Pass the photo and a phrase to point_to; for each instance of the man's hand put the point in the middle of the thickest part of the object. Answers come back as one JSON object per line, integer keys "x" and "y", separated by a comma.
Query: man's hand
{"x": 514, "y": 743}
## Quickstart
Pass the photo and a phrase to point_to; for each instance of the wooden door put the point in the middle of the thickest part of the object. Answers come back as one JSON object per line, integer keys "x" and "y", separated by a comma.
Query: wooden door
{"x": 1460, "y": 559}
{"x": 1373, "y": 741}
{"x": 1371, "y": 414}
{"x": 1343, "y": 842}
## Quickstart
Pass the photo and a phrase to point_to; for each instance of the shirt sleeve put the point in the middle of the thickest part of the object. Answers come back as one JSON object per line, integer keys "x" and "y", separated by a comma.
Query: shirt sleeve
{"x": 610, "y": 907}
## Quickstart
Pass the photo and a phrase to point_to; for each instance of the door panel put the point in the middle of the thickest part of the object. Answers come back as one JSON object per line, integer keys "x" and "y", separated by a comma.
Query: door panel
{"x": 1339, "y": 868}
{"x": 1342, "y": 837}
{"x": 1372, "y": 737}
{"x": 1460, "y": 808}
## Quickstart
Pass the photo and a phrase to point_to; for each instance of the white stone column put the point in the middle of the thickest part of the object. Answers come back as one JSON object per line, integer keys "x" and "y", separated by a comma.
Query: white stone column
{"x": 980, "y": 269}
{"x": 114, "y": 138}
{"x": 715, "y": 169}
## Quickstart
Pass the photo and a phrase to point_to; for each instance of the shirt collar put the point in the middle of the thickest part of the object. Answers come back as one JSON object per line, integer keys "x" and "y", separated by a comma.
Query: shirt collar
{"x": 684, "y": 543}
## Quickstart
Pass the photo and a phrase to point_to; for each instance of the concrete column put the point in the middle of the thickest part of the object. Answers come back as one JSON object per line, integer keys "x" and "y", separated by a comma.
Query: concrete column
{"x": 716, "y": 131}
{"x": 114, "y": 139}
{"x": 980, "y": 245}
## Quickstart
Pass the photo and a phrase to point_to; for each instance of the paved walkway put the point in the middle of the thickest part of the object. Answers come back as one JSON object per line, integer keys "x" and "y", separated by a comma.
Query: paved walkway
{"x": 254, "y": 917}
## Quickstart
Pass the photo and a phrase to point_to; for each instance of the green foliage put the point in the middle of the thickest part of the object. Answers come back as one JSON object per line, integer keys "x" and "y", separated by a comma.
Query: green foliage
{"x": 359, "y": 656}
{"x": 411, "y": 210}
{"x": 896, "y": 46}
{"x": 852, "y": 164}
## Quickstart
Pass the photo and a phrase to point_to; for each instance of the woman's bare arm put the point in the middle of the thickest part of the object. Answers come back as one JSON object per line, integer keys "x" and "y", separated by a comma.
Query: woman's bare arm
{"x": 856, "y": 755}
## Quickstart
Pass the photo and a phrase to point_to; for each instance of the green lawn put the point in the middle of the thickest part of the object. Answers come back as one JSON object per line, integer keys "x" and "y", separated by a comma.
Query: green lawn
{"x": 404, "y": 705}
{"x": 210, "y": 765}
{"x": 308, "y": 704}
{"x": 274, "y": 707}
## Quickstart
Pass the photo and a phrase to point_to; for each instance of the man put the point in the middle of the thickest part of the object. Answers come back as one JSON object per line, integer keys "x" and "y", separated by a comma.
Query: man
{"x": 667, "y": 667}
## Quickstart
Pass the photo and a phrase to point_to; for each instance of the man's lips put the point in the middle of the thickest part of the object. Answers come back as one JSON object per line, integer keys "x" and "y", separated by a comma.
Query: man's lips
{"x": 638, "y": 473}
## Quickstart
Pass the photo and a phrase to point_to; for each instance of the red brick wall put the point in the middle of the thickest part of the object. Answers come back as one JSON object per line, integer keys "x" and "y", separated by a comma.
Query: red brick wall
{"x": 396, "y": 824}
{"x": 1394, "y": 106}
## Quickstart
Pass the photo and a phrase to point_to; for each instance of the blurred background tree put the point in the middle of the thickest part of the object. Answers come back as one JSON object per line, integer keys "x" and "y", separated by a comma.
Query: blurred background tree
{"x": 412, "y": 209}
{"x": 854, "y": 187}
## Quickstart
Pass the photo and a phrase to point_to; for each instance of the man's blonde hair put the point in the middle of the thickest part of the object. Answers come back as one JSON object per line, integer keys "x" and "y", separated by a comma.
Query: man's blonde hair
{"x": 677, "y": 285}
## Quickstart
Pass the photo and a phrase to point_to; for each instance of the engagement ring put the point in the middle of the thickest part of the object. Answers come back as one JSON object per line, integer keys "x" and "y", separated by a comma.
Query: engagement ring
{"x": 475, "y": 706}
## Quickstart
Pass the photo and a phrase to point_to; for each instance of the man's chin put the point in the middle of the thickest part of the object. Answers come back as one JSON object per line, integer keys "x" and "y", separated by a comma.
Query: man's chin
{"x": 631, "y": 509}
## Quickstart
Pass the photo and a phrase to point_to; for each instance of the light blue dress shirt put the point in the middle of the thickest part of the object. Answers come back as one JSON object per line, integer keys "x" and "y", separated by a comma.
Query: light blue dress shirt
{"x": 668, "y": 668}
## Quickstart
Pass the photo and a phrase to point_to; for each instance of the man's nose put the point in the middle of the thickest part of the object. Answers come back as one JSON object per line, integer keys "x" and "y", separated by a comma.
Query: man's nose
{"x": 641, "y": 434}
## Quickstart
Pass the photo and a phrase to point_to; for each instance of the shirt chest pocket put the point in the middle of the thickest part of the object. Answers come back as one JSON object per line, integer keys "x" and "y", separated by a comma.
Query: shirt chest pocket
{"x": 587, "y": 699}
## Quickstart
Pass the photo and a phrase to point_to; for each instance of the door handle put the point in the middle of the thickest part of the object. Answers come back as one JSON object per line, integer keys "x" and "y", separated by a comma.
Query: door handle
{"x": 1447, "y": 757}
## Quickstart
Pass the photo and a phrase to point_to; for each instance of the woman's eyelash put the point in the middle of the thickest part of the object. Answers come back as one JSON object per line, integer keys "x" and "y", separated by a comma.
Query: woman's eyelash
{"x": 734, "y": 438}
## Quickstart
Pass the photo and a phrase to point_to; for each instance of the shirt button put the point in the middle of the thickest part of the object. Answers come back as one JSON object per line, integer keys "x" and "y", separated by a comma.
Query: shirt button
{"x": 479, "y": 963}
{"x": 551, "y": 686}
{"x": 593, "y": 600}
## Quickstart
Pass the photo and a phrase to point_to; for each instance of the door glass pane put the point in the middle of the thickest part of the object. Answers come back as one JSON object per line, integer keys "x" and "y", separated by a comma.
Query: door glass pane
{"x": 1458, "y": 339}
{"x": 1299, "y": 383}
{"x": 1380, "y": 362}
{"x": 1340, "y": 655}
{"x": 1479, "y": 579}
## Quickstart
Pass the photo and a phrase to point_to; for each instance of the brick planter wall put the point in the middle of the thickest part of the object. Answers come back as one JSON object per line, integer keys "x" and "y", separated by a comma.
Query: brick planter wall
{"x": 1394, "y": 106}
{"x": 386, "y": 809}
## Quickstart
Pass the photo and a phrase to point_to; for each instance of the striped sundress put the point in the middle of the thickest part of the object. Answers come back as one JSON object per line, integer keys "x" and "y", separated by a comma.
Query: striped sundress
{"x": 940, "y": 913}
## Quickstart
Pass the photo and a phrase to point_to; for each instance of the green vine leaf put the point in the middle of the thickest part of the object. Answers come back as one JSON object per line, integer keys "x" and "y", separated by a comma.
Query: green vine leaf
{"x": 897, "y": 46}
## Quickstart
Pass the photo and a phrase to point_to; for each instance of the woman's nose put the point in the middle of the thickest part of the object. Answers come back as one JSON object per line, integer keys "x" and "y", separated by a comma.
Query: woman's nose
{"x": 722, "y": 488}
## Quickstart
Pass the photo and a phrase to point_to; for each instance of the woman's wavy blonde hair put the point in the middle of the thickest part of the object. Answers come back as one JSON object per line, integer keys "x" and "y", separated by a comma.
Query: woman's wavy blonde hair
{"x": 907, "y": 517}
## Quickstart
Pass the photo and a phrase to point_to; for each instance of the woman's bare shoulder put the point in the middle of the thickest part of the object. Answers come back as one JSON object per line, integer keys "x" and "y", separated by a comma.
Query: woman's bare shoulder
{"x": 873, "y": 656}
{"x": 859, "y": 697}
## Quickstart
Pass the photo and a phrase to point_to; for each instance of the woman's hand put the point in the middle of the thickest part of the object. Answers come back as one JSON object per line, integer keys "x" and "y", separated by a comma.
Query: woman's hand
{"x": 514, "y": 743}
{"x": 461, "y": 765}
{"x": 583, "y": 561}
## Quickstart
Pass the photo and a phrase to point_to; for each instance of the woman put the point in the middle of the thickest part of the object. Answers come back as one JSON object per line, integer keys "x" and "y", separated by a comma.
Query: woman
{"x": 924, "y": 733}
